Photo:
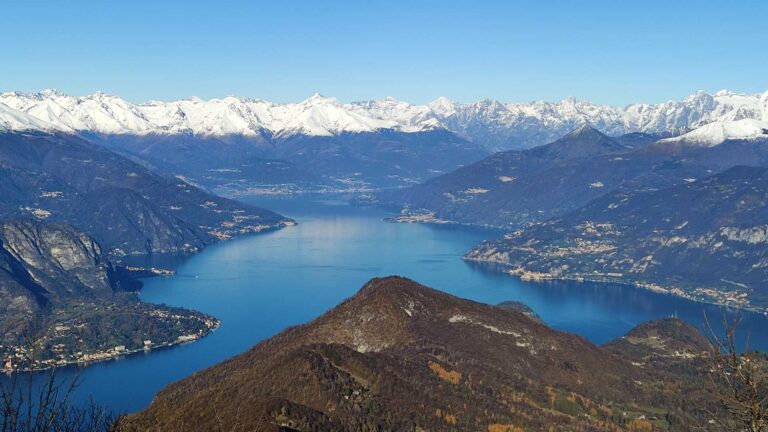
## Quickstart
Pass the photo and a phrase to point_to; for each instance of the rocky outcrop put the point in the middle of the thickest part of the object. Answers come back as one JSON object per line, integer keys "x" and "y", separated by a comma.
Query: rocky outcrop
{"x": 63, "y": 261}
{"x": 751, "y": 235}
{"x": 44, "y": 265}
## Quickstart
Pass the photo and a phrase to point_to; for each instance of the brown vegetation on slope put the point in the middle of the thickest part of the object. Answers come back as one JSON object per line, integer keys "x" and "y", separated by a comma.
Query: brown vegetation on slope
{"x": 401, "y": 356}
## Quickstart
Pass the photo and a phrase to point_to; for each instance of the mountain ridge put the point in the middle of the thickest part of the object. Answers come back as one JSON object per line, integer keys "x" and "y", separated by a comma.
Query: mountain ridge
{"x": 515, "y": 188}
{"x": 127, "y": 208}
{"x": 494, "y": 124}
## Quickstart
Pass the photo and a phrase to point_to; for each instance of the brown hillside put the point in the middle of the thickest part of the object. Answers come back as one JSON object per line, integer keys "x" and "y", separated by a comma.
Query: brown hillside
{"x": 401, "y": 356}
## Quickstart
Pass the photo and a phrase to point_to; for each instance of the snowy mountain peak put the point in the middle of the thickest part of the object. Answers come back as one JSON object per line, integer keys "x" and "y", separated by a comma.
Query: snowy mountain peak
{"x": 724, "y": 92}
{"x": 52, "y": 93}
{"x": 318, "y": 99}
{"x": 736, "y": 116}
{"x": 489, "y": 105}
{"x": 443, "y": 106}
{"x": 707, "y": 118}
{"x": 584, "y": 129}
{"x": 715, "y": 133}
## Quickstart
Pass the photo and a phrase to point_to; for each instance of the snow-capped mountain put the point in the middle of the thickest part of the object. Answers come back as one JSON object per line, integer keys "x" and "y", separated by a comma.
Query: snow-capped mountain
{"x": 701, "y": 117}
{"x": 516, "y": 125}
{"x": 748, "y": 119}
{"x": 104, "y": 114}
{"x": 11, "y": 119}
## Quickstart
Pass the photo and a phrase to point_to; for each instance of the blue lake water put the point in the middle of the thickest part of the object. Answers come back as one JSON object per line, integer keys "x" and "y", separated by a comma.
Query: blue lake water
{"x": 260, "y": 284}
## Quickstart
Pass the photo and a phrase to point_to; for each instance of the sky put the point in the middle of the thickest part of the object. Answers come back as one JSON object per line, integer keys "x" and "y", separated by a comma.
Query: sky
{"x": 611, "y": 52}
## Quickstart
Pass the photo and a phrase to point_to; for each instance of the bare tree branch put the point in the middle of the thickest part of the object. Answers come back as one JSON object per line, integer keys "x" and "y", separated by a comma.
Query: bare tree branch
{"x": 31, "y": 402}
{"x": 740, "y": 379}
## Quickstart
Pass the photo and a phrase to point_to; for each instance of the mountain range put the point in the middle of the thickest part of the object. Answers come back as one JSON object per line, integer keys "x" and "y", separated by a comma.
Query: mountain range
{"x": 401, "y": 356}
{"x": 516, "y": 188}
{"x": 237, "y": 146}
{"x": 134, "y": 178}
{"x": 489, "y": 123}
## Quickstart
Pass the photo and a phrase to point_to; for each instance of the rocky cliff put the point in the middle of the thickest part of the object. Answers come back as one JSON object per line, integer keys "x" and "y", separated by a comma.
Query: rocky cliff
{"x": 62, "y": 301}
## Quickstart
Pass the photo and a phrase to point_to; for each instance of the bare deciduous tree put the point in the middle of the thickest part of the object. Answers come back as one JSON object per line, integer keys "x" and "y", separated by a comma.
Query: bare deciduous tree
{"x": 740, "y": 379}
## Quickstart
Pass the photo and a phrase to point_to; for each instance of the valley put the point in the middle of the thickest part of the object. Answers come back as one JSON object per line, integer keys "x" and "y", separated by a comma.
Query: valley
{"x": 603, "y": 233}
{"x": 261, "y": 216}
{"x": 72, "y": 212}
{"x": 257, "y": 285}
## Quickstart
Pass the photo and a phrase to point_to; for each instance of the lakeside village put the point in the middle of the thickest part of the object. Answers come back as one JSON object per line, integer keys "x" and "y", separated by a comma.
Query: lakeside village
{"x": 734, "y": 298}
{"x": 151, "y": 271}
{"x": 19, "y": 358}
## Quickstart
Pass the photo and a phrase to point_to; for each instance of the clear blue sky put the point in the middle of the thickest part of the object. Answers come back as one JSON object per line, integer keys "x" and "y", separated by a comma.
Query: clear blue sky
{"x": 613, "y": 52}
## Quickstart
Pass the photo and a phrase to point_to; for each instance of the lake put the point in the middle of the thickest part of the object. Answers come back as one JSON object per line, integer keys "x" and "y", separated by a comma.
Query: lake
{"x": 257, "y": 285}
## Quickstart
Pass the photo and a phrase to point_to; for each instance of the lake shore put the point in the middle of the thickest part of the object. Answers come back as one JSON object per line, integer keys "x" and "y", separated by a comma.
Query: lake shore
{"x": 99, "y": 357}
{"x": 537, "y": 277}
